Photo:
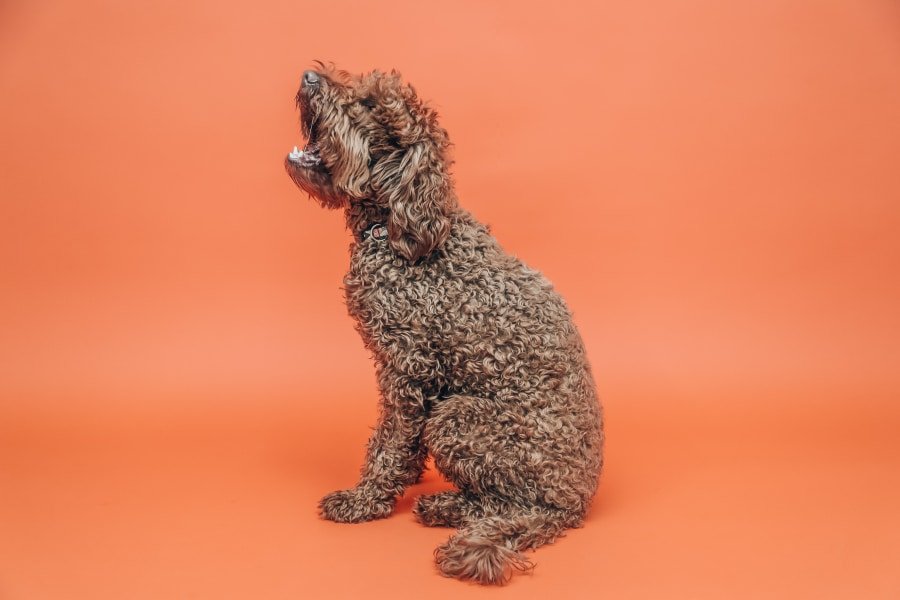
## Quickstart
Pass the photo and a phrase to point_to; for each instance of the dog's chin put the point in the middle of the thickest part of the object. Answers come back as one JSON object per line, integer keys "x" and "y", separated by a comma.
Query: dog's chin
{"x": 309, "y": 173}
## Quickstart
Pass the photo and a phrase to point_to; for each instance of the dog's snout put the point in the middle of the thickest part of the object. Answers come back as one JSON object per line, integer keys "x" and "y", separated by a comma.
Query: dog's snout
{"x": 310, "y": 78}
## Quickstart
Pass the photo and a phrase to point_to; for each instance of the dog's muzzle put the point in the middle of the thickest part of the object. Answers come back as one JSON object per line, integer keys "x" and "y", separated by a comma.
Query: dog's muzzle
{"x": 309, "y": 155}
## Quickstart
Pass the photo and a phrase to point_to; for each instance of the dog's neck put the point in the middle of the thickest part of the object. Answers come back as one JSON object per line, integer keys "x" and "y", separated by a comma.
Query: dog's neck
{"x": 361, "y": 215}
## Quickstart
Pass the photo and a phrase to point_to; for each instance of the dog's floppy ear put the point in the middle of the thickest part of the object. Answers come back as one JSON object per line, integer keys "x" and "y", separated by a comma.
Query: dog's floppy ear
{"x": 415, "y": 187}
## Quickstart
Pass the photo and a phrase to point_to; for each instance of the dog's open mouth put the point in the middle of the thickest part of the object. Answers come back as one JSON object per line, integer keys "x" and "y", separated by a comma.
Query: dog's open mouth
{"x": 307, "y": 157}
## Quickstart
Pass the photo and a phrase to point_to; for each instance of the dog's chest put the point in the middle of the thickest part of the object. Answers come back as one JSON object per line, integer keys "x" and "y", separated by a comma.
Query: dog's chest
{"x": 396, "y": 305}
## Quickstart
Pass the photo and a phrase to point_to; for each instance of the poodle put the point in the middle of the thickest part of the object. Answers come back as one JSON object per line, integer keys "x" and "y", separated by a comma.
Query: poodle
{"x": 478, "y": 361}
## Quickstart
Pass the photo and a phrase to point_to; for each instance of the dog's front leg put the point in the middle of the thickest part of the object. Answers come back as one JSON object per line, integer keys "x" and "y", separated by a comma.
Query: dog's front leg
{"x": 395, "y": 457}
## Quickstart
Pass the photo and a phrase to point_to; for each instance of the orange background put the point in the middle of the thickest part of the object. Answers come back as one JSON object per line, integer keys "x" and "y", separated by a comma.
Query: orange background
{"x": 714, "y": 186}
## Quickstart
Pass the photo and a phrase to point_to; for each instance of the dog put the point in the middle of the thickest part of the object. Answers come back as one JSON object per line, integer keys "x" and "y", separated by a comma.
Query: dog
{"x": 478, "y": 361}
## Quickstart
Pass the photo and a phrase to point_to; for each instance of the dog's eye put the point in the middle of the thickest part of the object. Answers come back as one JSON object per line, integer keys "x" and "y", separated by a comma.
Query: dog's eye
{"x": 368, "y": 102}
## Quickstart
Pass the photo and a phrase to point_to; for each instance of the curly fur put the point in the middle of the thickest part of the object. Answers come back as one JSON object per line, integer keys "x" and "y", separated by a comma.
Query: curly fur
{"x": 477, "y": 357}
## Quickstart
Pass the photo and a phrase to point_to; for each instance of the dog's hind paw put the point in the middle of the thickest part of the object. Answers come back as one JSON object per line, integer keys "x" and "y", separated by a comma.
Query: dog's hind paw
{"x": 355, "y": 505}
{"x": 445, "y": 509}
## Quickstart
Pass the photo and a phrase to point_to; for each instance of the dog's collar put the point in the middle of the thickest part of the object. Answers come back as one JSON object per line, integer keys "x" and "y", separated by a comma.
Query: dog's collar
{"x": 376, "y": 231}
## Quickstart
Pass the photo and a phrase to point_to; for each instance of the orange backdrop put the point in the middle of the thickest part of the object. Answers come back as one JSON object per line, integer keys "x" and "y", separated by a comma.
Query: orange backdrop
{"x": 715, "y": 188}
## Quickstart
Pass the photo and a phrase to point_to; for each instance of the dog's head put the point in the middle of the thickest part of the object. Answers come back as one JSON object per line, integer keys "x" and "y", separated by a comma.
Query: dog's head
{"x": 370, "y": 139}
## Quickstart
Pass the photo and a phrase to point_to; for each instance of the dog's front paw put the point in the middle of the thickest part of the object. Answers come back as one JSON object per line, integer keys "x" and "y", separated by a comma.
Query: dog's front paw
{"x": 355, "y": 505}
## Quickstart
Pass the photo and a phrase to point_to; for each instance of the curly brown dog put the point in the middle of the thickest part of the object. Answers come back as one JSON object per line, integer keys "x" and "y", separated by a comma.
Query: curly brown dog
{"x": 478, "y": 361}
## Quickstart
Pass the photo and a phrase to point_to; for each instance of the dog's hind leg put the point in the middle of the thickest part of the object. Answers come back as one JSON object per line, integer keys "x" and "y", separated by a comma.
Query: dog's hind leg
{"x": 518, "y": 488}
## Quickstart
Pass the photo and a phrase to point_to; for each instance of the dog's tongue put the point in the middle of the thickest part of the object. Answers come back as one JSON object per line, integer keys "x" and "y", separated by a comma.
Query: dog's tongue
{"x": 307, "y": 157}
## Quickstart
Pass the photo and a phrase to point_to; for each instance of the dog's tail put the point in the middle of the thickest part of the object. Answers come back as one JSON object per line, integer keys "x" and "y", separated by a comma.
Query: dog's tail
{"x": 488, "y": 550}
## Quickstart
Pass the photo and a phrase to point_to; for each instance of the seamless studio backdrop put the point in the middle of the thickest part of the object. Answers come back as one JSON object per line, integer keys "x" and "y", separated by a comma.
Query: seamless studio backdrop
{"x": 713, "y": 186}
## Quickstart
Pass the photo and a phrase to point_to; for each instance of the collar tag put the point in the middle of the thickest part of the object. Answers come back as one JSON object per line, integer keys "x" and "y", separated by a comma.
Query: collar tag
{"x": 376, "y": 231}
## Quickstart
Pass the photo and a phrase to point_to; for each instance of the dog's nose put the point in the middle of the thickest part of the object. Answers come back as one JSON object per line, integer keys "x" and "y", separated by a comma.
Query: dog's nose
{"x": 310, "y": 78}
